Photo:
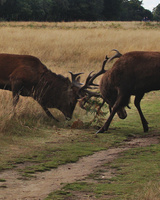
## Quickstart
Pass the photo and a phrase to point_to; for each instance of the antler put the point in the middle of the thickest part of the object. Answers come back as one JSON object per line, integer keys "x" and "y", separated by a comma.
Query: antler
{"x": 88, "y": 84}
{"x": 75, "y": 79}
{"x": 117, "y": 55}
{"x": 90, "y": 78}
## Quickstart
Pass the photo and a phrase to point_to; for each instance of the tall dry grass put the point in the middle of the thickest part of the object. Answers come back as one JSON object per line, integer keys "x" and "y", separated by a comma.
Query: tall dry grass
{"x": 75, "y": 46}
{"x": 67, "y": 46}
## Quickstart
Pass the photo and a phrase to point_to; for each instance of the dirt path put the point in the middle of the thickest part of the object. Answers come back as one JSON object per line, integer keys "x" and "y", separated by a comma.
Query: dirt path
{"x": 46, "y": 182}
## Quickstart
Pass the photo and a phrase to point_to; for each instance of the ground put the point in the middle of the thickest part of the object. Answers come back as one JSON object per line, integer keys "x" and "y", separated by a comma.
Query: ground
{"x": 42, "y": 184}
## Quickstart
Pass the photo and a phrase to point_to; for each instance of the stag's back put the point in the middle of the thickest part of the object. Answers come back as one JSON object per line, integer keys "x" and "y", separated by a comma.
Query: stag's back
{"x": 135, "y": 71}
{"x": 19, "y": 66}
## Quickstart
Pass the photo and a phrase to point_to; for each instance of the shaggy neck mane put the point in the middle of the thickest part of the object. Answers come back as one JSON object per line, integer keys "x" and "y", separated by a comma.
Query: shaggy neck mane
{"x": 52, "y": 77}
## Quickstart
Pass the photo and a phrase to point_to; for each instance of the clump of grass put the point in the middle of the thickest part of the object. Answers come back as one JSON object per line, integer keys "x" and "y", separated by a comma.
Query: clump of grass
{"x": 59, "y": 195}
{"x": 2, "y": 180}
{"x": 150, "y": 191}
{"x": 27, "y": 117}
{"x": 6, "y": 109}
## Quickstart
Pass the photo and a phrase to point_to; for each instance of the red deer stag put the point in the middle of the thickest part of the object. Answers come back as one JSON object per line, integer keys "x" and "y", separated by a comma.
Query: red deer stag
{"x": 27, "y": 76}
{"x": 134, "y": 73}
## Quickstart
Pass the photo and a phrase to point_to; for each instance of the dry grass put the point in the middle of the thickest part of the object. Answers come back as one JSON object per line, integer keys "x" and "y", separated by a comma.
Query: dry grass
{"x": 74, "y": 46}
{"x": 150, "y": 192}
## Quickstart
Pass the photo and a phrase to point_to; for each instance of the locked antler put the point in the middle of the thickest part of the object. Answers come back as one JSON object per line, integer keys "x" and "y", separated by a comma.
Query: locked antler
{"x": 76, "y": 79}
{"x": 89, "y": 83}
{"x": 117, "y": 55}
{"x": 90, "y": 78}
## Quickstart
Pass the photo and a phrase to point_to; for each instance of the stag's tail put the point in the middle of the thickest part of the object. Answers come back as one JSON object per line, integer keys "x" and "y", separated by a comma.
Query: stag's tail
{"x": 117, "y": 55}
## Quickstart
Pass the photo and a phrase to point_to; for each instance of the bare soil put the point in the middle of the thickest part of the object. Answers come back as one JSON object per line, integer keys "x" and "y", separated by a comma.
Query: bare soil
{"x": 38, "y": 188}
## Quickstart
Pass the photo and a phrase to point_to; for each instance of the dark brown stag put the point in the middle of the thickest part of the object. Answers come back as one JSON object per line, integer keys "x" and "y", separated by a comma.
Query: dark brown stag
{"x": 27, "y": 76}
{"x": 134, "y": 73}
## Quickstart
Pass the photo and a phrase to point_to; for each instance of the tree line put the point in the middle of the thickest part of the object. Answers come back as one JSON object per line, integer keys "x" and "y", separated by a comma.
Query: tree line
{"x": 74, "y": 10}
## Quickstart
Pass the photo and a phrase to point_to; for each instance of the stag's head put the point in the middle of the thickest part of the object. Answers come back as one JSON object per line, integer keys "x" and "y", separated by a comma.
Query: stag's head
{"x": 70, "y": 95}
{"x": 72, "y": 91}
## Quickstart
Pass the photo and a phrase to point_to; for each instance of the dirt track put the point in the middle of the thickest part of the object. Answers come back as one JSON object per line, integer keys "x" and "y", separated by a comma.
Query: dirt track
{"x": 38, "y": 188}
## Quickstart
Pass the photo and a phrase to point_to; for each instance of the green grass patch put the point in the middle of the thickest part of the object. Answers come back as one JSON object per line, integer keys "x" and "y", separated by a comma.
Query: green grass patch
{"x": 40, "y": 144}
{"x": 52, "y": 154}
{"x": 2, "y": 180}
{"x": 135, "y": 170}
{"x": 59, "y": 195}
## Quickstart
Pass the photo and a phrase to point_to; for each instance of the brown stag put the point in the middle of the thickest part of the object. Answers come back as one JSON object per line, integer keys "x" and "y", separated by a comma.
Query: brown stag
{"x": 27, "y": 76}
{"x": 134, "y": 73}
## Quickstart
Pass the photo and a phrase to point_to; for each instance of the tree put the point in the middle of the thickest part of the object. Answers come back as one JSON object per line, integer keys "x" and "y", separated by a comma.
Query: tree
{"x": 59, "y": 10}
{"x": 85, "y": 10}
{"x": 156, "y": 13}
{"x": 74, "y": 10}
{"x": 133, "y": 11}
{"x": 95, "y": 8}
{"x": 112, "y": 9}
{"x": 47, "y": 7}
{"x": 8, "y": 10}
{"x": 2, "y": 2}
{"x": 24, "y": 10}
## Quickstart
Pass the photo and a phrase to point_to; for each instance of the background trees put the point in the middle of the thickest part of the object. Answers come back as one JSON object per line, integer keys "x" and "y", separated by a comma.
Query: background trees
{"x": 112, "y": 9}
{"x": 133, "y": 10}
{"x": 73, "y": 10}
{"x": 156, "y": 13}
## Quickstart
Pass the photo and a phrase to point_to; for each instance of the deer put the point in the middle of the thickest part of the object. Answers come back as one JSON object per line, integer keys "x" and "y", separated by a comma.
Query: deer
{"x": 26, "y": 75}
{"x": 134, "y": 73}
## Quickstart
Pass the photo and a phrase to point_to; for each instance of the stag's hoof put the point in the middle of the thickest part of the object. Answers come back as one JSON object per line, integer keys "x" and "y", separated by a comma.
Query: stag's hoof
{"x": 101, "y": 130}
{"x": 56, "y": 119}
{"x": 146, "y": 129}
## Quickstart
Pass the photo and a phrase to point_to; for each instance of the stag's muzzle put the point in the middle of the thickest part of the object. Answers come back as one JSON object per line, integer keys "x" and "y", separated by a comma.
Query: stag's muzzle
{"x": 122, "y": 114}
{"x": 68, "y": 118}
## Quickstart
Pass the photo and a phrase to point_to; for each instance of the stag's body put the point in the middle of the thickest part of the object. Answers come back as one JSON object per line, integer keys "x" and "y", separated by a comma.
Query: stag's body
{"x": 27, "y": 76}
{"x": 134, "y": 73}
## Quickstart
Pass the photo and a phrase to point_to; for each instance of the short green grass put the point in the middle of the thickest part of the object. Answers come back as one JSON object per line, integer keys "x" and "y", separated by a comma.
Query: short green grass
{"x": 46, "y": 145}
{"x": 65, "y": 150}
{"x": 134, "y": 171}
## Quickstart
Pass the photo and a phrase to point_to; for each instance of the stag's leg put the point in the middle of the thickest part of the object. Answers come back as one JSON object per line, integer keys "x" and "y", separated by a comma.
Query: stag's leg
{"x": 137, "y": 104}
{"x": 49, "y": 113}
{"x": 16, "y": 89}
{"x": 110, "y": 109}
{"x": 106, "y": 125}
{"x": 98, "y": 110}
{"x": 122, "y": 100}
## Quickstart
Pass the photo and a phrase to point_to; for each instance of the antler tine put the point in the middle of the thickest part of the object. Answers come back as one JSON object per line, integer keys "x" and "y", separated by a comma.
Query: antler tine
{"x": 99, "y": 73}
{"x": 73, "y": 76}
{"x": 117, "y": 55}
{"x": 90, "y": 79}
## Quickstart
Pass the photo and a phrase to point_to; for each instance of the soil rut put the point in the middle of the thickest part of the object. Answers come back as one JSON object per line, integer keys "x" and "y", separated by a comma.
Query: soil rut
{"x": 38, "y": 188}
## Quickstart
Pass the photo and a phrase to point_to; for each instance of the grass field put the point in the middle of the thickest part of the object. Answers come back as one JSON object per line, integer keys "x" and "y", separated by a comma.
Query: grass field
{"x": 74, "y": 46}
{"x": 77, "y": 47}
